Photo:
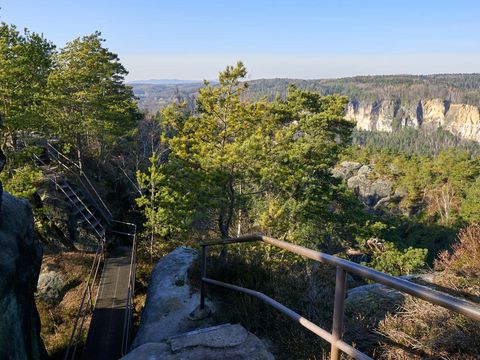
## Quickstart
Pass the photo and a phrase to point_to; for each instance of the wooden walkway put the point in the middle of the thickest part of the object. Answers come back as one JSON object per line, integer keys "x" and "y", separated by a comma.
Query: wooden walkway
{"x": 104, "y": 340}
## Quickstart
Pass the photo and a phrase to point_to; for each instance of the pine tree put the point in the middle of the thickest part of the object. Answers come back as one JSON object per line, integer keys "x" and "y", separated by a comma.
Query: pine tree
{"x": 88, "y": 103}
{"x": 25, "y": 63}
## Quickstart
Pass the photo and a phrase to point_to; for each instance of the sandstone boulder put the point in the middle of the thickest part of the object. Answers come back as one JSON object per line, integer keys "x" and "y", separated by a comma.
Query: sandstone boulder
{"x": 215, "y": 343}
{"x": 346, "y": 169}
{"x": 50, "y": 286}
{"x": 170, "y": 300}
{"x": 20, "y": 261}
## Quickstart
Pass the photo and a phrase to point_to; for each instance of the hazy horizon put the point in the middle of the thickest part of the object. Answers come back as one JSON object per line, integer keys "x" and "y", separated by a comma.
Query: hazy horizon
{"x": 192, "y": 81}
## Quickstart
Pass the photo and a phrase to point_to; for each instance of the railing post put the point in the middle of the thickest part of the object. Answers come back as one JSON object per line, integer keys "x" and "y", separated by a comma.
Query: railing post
{"x": 338, "y": 311}
{"x": 204, "y": 274}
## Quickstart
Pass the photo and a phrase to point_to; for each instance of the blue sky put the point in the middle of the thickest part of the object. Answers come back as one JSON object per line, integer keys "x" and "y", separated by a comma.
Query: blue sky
{"x": 302, "y": 39}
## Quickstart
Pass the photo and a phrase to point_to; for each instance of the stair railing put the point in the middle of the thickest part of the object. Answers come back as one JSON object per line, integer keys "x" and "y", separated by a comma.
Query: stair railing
{"x": 84, "y": 180}
{"x": 54, "y": 179}
{"x": 86, "y": 306}
{"x": 127, "y": 325}
{"x": 343, "y": 266}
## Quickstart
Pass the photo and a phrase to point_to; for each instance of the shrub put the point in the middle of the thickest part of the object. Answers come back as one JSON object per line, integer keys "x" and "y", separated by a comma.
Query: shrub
{"x": 398, "y": 262}
{"x": 21, "y": 182}
{"x": 425, "y": 331}
{"x": 465, "y": 259}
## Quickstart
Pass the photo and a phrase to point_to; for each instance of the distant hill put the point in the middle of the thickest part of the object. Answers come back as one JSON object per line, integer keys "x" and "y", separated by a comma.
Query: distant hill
{"x": 455, "y": 88}
{"x": 152, "y": 97}
{"x": 163, "y": 82}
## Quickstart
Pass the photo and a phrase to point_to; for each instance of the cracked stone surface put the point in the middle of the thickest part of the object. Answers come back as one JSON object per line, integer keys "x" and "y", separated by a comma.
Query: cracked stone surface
{"x": 168, "y": 329}
{"x": 170, "y": 300}
{"x": 218, "y": 342}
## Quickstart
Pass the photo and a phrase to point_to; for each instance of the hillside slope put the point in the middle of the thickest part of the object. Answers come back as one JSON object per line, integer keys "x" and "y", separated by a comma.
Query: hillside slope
{"x": 382, "y": 103}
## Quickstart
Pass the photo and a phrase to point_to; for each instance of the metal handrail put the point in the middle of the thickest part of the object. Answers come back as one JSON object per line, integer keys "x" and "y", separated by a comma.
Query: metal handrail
{"x": 84, "y": 307}
{"x": 79, "y": 210}
{"x": 50, "y": 147}
{"x": 87, "y": 307}
{"x": 127, "y": 325}
{"x": 343, "y": 266}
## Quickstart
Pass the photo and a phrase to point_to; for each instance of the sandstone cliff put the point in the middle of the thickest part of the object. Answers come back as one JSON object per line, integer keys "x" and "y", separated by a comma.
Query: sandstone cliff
{"x": 20, "y": 261}
{"x": 389, "y": 115}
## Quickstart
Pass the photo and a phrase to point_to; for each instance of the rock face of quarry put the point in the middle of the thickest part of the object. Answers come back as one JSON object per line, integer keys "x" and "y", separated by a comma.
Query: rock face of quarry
{"x": 169, "y": 329}
{"x": 20, "y": 261}
{"x": 389, "y": 115}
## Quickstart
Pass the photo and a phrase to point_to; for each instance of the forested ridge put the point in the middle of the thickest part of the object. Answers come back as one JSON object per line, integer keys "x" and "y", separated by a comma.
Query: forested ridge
{"x": 457, "y": 88}
{"x": 232, "y": 157}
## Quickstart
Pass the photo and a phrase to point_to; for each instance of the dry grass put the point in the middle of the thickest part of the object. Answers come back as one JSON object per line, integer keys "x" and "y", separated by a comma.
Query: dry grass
{"x": 461, "y": 267}
{"x": 425, "y": 331}
{"x": 57, "y": 319}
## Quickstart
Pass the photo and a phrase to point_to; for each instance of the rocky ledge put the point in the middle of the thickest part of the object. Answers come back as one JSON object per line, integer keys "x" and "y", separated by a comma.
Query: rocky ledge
{"x": 171, "y": 326}
{"x": 214, "y": 343}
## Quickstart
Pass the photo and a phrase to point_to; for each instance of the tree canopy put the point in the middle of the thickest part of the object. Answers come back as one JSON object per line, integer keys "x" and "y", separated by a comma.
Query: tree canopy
{"x": 87, "y": 101}
{"x": 263, "y": 163}
{"x": 25, "y": 64}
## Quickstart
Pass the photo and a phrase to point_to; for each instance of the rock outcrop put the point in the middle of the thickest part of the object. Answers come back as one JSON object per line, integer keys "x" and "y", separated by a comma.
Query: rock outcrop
{"x": 20, "y": 261}
{"x": 374, "y": 193}
{"x": 170, "y": 300}
{"x": 63, "y": 231}
{"x": 50, "y": 286}
{"x": 389, "y": 115}
{"x": 172, "y": 327}
{"x": 214, "y": 343}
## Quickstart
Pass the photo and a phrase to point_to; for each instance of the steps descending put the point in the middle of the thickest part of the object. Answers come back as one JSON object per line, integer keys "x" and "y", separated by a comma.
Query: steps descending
{"x": 106, "y": 327}
{"x": 109, "y": 332}
{"x": 83, "y": 209}
{"x": 171, "y": 328}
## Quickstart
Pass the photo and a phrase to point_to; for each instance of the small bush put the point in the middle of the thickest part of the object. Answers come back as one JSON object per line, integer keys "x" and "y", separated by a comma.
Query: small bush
{"x": 425, "y": 331}
{"x": 21, "y": 182}
{"x": 398, "y": 262}
{"x": 465, "y": 259}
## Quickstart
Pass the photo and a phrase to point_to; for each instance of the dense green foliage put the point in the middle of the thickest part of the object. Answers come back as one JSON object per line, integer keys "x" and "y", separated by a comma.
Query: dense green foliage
{"x": 25, "y": 63}
{"x": 398, "y": 262}
{"x": 262, "y": 165}
{"x": 458, "y": 88}
{"x": 233, "y": 165}
{"x": 440, "y": 189}
{"x": 88, "y": 103}
{"x": 409, "y": 141}
{"x": 76, "y": 95}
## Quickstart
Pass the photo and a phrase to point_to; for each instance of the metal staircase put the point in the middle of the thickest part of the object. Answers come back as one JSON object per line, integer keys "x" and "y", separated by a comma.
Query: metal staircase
{"x": 93, "y": 215}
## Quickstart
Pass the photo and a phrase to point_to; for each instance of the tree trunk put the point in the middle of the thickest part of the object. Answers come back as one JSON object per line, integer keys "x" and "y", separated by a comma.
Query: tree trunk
{"x": 80, "y": 152}
{"x": 226, "y": 216}
{"x": 226, "y": 213}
